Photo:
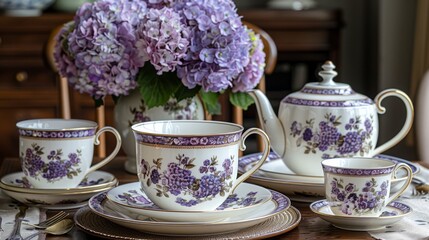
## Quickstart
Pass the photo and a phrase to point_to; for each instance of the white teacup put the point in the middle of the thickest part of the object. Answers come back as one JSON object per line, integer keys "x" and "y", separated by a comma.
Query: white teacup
{"x": 186, "y": 165}
{"x": 57, "y": 153}
{"x": 361, "y": 186}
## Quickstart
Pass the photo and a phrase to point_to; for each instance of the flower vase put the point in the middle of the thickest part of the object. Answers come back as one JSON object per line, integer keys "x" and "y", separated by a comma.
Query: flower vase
{"x": 131, "y": 109}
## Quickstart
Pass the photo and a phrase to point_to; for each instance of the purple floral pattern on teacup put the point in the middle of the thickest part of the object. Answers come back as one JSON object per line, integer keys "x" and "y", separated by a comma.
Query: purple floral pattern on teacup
{"x": 178, "y": 179}
{"x": 358, "y": 172}
{"x": 55, "y": 169}
{"x": 57, "y": 134}
{"x": 328, "y": 135}
{"x": 188, "y": 141}
{"x": 351, "y": 200}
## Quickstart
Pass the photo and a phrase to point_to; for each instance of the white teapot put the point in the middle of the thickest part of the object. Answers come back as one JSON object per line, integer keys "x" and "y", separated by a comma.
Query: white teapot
{"x": 326, "y": 120}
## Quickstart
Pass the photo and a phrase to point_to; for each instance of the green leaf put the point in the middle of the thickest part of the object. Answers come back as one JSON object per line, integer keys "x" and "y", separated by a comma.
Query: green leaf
{"x": 98, "y": 102}
{"x": 183, "y": 92}
{"x": 211, "y": 102}
{"x": 241, "y": 99}
{"x": 156, "y": 89}
{"x": 115, "y": 99}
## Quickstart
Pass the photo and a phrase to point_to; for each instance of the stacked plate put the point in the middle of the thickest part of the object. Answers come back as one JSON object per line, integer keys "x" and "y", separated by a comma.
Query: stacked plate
{"x": 276, "y": 175}
{"x": 248, "y": 206}
{"x": 17, "y": 187}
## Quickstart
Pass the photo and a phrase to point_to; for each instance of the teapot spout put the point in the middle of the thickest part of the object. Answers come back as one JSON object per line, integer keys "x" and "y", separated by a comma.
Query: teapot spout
{"x": 270, "y": 123}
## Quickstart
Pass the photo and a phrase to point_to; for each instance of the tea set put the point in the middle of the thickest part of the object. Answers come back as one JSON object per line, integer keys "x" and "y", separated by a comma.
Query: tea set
{"x": 193, "y": 182}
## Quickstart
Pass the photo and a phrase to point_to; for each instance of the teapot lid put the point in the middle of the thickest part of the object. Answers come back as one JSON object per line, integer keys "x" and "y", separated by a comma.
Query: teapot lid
{"x": 327, "y": 93}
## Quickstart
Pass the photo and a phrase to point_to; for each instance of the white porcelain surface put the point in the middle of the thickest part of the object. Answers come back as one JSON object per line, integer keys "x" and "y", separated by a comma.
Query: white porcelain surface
{"x": 276, "y": 168}
{"x": 131, "y": 109}
{"x": 278, "y": 204}
{"x": 191, "y": 165}
{"x": 361, "y": 186}
{"x": 12, "y": 186}
{"x": 18, "y": 182}
{"x": 58, "y": 153}
{"x": 325, "y": 120}
{"x": 301, "y": 188}
{"x": 247, "y": 197}
{"x": 393, "y": 213}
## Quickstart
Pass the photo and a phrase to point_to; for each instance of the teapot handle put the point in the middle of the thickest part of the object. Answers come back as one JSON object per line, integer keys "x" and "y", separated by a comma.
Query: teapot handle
{"x": 408, "y": 121}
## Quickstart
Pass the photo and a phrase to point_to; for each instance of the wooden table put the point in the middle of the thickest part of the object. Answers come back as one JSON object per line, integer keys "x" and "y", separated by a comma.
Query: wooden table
{"x": 311, "y": 226}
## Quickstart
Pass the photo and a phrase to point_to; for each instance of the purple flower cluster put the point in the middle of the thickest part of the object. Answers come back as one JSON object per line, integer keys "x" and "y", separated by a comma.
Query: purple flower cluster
{"x": 203, "y": 42}
{"x": 55, "y": 169}
{"x": 179, "y": 180}
{"x": 354, "y": 201}
{"x": 254, "y": 70}
{"x": 220, "y": 44}
{"x": 97, "y": 52}
{"x": 354, "y": 139}
{"x": 162, "y": 39}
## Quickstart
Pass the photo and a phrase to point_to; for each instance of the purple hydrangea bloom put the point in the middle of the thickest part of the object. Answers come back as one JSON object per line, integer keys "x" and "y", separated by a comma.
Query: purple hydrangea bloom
{"x": 254, "y": 70}
{"x": 219, "y": 45}
{"x": 97, "y": 51}
{"x": 203, "y": 42}
{"x": 162, "y": 39}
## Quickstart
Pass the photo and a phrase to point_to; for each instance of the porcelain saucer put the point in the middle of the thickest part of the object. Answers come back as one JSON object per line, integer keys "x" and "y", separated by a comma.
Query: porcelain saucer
{"x": 277, "y": 205}
{"x": 393, "y": 213}
{"x": 95, "y": 180}
{"x": 298, "y": 187}
{"x": 14, "y": 186}
{"x": 247, "y": 197}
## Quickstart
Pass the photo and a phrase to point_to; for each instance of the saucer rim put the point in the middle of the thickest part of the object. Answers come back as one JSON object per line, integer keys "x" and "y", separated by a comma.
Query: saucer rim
{"x": 265, "y": 200}
{"x": 64, "y": 193}
{"x": 151, "y": 222}
{"x": 294, "y": 221}
{"x": 4, "y": 185}
{"x": 356, "y": 217}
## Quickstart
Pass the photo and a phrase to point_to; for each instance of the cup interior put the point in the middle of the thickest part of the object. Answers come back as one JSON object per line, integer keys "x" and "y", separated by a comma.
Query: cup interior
{"x": 186, "y": 128}
{"x": 56, "y": 124}
{"x": 357, "y": 163}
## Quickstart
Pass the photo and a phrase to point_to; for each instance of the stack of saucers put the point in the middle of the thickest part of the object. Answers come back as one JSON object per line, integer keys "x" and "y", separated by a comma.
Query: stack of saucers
{"x": 248, "y": 206}
{"x": 17, "y": 186}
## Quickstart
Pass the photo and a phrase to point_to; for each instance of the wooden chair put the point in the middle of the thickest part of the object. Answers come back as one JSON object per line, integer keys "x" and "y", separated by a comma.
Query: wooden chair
{"x": 65, "y": 94}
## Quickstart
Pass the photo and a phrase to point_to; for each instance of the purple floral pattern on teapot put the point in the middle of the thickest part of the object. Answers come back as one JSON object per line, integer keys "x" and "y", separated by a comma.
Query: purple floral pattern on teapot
{"x": 178, "y": 179}
{"x": 57, "y": 168}
{"x": 352, "y": 200}
{"x": 327, "y": 136}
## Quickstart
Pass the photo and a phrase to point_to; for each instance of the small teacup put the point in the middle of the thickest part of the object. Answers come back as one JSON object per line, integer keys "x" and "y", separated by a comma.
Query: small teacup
{"x": 361, "y": 186}
{"x": 186, "y": 165}
{"x": 57, "y": 153}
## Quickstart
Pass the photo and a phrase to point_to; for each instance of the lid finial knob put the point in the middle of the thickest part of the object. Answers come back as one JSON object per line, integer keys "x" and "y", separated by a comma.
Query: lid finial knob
{"x": 328, "y": 73}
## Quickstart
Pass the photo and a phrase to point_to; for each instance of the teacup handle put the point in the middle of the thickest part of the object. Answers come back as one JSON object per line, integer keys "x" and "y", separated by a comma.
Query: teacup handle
{"x": 265, "y": 154}
{"x": 408, "y": 121}
{"x": 115, "y": 151}
{"x": 406, "y": 184}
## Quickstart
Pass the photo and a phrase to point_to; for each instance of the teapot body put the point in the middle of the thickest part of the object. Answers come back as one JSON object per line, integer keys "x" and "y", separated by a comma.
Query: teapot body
{"x": 315, "y": 130}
